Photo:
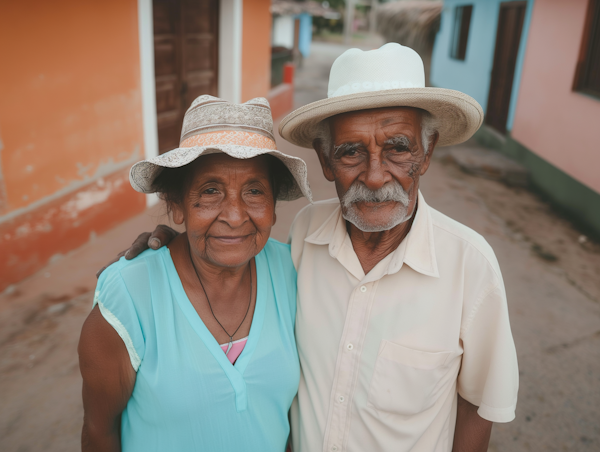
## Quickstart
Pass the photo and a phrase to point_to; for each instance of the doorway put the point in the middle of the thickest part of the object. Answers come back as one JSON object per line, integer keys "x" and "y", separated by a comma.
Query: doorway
{"x": 186, "y": 53}
{"x": 508, "y": 37}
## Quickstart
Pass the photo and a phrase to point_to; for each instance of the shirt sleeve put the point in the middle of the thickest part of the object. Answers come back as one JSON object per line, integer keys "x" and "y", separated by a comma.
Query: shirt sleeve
{"x": 489, "y": 375}
{"x": 118, "y": 309}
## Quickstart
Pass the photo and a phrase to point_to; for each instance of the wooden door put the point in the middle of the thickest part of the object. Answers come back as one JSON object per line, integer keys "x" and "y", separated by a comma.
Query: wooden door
{"x": 508, "y": 37}
{"x": 185, "y": 61}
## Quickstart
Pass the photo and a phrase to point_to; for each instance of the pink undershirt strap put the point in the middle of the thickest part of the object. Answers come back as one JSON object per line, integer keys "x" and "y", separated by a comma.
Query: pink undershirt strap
{"x": 236, "y": 349}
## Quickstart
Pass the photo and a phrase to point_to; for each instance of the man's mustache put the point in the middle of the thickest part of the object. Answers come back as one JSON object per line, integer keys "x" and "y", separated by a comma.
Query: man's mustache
{"x": 392, "y": 191}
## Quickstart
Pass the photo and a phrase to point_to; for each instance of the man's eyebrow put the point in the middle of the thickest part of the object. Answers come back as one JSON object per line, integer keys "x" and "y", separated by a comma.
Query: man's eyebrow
{"x": 345, "y": 147}
{"x": 399, "y": 140}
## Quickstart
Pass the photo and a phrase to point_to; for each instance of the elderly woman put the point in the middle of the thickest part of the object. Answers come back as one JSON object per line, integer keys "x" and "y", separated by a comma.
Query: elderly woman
{"x": 191, "y": 347}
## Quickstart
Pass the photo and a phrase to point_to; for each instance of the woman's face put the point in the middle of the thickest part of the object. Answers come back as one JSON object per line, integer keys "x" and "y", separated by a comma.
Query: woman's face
{"x": 228, "y": 209}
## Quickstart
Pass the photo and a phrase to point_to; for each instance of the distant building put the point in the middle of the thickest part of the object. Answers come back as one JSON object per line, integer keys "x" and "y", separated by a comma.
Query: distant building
{"x": 293, "y": 24}
{"x": 88, "y": 88}
{"x": 535, "y": 69}
{"x": 293, "y": 31}
{"x": 413, "y": 24}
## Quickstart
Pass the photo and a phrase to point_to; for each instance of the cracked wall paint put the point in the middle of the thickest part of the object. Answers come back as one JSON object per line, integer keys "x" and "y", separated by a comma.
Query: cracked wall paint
{"x": 77, "y": 204}
{"x": 3, "y": 206}
{"x": 71, "y": 123}
{"x": 64, "y": 120}
{"x": 86, "y": 199}
{"x": 30, "y": 240}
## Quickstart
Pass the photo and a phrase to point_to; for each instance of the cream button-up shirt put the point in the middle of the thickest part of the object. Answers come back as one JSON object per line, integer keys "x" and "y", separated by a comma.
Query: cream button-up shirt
{"x": 384, "y": 355}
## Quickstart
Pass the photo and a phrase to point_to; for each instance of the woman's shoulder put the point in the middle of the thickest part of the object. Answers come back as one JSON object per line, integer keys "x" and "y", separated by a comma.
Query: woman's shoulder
{"x": 133, "y": 278}
{"x": 282, "y": 273}
{"x": 124, "y": 297}
{"x": 276, "y": 248}
{"x": 280, "y": 260}
{"x": 135, "y": 268}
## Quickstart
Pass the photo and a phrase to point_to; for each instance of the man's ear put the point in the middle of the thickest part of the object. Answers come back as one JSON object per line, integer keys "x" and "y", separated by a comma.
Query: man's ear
{"x": 429, "y": 153}
{"x": 177, "y": 212}
{"x": 324, "y": 160}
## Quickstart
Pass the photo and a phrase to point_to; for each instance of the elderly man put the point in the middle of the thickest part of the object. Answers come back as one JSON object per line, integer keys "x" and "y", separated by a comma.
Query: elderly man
{"x": 402, "y": 324}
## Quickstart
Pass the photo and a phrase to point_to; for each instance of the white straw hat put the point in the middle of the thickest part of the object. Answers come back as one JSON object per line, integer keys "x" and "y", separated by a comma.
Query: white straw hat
{"x": 212, "y": 125}
{"x": 391, "y": 76}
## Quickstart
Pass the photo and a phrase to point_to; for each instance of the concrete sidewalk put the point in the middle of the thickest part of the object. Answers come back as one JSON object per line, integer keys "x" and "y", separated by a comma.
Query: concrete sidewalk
{"x": 550, "y": 271}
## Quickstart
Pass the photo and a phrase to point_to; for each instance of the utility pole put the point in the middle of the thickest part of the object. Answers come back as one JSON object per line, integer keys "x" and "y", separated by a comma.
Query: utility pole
{"x": 373, "y": 17}
{"x": 349, "y": 21}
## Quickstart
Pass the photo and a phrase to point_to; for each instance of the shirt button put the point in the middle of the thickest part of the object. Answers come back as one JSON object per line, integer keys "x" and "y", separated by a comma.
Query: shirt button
{"x": 341, "y": 399}
{"x": 349, "y": 346}
{"x": 363, "y": 289}
{"x": 334, "y": 448}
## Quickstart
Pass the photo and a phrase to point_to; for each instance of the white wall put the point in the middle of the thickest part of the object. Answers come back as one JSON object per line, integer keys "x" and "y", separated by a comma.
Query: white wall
{"x": 283, "y": 31}
{"x": 230, "y": 50}
{"x": 148, "y": 85}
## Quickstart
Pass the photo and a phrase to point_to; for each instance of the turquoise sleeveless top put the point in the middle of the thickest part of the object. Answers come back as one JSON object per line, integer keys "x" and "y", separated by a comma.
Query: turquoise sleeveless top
{"x": 187, "y": 395}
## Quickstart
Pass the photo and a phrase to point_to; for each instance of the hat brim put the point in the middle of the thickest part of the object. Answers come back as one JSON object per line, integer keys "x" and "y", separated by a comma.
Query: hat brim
{"x": 143, "y": 174}
{"x": 458, "y": 114}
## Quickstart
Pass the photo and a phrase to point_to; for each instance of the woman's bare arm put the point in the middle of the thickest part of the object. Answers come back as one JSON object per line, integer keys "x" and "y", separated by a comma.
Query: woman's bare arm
{"x": 472, "y": 433}
{"x": 108, "y": 381}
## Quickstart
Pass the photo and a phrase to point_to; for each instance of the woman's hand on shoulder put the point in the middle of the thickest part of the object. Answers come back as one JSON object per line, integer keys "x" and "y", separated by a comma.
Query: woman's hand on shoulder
{"x": 108, "y": 381}
{"x": 162, "y": 236}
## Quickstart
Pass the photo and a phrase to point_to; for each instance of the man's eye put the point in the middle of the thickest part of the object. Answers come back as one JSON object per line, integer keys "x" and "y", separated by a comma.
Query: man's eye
{"x": 401, "y": 149}
{"x": 255, "y": 191}
{"x": 350, "y": 152}
{"x": 210, "y": 191}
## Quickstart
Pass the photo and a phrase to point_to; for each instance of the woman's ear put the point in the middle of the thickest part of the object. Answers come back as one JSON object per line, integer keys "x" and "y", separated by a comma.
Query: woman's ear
{"x": 177, "y": 213}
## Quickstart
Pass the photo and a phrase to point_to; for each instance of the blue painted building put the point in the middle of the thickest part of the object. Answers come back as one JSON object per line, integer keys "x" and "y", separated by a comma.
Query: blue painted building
{"x": 306, "y": 30}
{"x": 471, "y": 71}
{"x": 289, "y": 27}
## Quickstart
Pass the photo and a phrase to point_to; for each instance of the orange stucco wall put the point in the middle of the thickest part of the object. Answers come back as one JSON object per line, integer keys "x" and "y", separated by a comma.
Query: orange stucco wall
{"x": 256, "y": 49}
{"x": 70, "y": 125}
{"x": 552, "y": 120}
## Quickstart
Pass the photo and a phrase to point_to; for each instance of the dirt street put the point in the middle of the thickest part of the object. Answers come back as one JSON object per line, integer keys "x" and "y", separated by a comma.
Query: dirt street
{"x": 550, "y": 270}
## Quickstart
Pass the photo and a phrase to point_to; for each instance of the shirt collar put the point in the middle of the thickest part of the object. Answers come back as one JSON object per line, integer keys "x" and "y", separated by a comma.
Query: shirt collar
{"x": 417, "y": 250}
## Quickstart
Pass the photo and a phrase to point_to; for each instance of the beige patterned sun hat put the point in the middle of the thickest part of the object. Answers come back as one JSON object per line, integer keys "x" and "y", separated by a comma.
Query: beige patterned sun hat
{"x": 391, "y": 76}
{"x": 212, "y": 125}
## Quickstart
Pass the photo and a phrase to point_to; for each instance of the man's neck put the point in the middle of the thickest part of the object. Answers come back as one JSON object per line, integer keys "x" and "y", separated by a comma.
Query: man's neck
{"x": 372, "y": 247}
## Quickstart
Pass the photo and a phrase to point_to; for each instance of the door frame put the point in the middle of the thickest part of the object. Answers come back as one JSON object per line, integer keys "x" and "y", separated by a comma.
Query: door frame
{"x": 229, "y": 73}
{"x": 230, "y": 50}
{"x": 148, "y": 85}
{"x": 507, "y": 4}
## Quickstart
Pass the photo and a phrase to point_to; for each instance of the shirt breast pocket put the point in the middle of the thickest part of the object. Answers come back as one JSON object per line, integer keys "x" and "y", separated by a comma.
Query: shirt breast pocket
{"x": 406, "y": 381}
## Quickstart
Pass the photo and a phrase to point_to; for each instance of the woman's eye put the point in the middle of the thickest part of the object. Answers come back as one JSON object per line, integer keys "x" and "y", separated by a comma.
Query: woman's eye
{"x": 210, "y": 191}
{"x": 255, "y": 191}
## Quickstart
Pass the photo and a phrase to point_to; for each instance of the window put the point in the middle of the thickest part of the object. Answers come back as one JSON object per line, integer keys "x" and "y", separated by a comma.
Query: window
{"x": 462, "y": 23}
{"x": 587, "y": 79}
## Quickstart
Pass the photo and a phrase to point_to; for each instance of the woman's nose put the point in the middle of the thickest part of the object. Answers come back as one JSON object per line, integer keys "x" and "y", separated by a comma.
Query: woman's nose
{"x": 234, "y": 212}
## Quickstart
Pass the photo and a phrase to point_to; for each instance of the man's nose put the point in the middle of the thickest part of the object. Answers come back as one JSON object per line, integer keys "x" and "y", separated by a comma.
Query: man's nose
{"x": 376, "y": 175}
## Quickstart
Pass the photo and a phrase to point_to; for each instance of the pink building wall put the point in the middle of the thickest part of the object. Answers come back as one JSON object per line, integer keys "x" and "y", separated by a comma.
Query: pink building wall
{"x": 552, "y": 120}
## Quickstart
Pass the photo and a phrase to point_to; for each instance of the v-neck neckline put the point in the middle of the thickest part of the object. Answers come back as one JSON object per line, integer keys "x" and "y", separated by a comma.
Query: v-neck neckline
{"x": 234, "y": 372}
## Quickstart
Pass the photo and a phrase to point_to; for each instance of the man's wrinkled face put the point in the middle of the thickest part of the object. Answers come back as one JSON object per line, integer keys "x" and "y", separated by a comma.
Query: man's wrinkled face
{"x": 376, "y": 162}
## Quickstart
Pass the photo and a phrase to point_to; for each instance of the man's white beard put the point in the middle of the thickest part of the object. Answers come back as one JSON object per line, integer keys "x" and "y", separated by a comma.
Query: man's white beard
{"x": 392, "y": 191}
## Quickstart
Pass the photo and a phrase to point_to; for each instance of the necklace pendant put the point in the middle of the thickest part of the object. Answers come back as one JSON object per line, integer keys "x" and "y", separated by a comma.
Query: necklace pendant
{"x": 229, "y": 346}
